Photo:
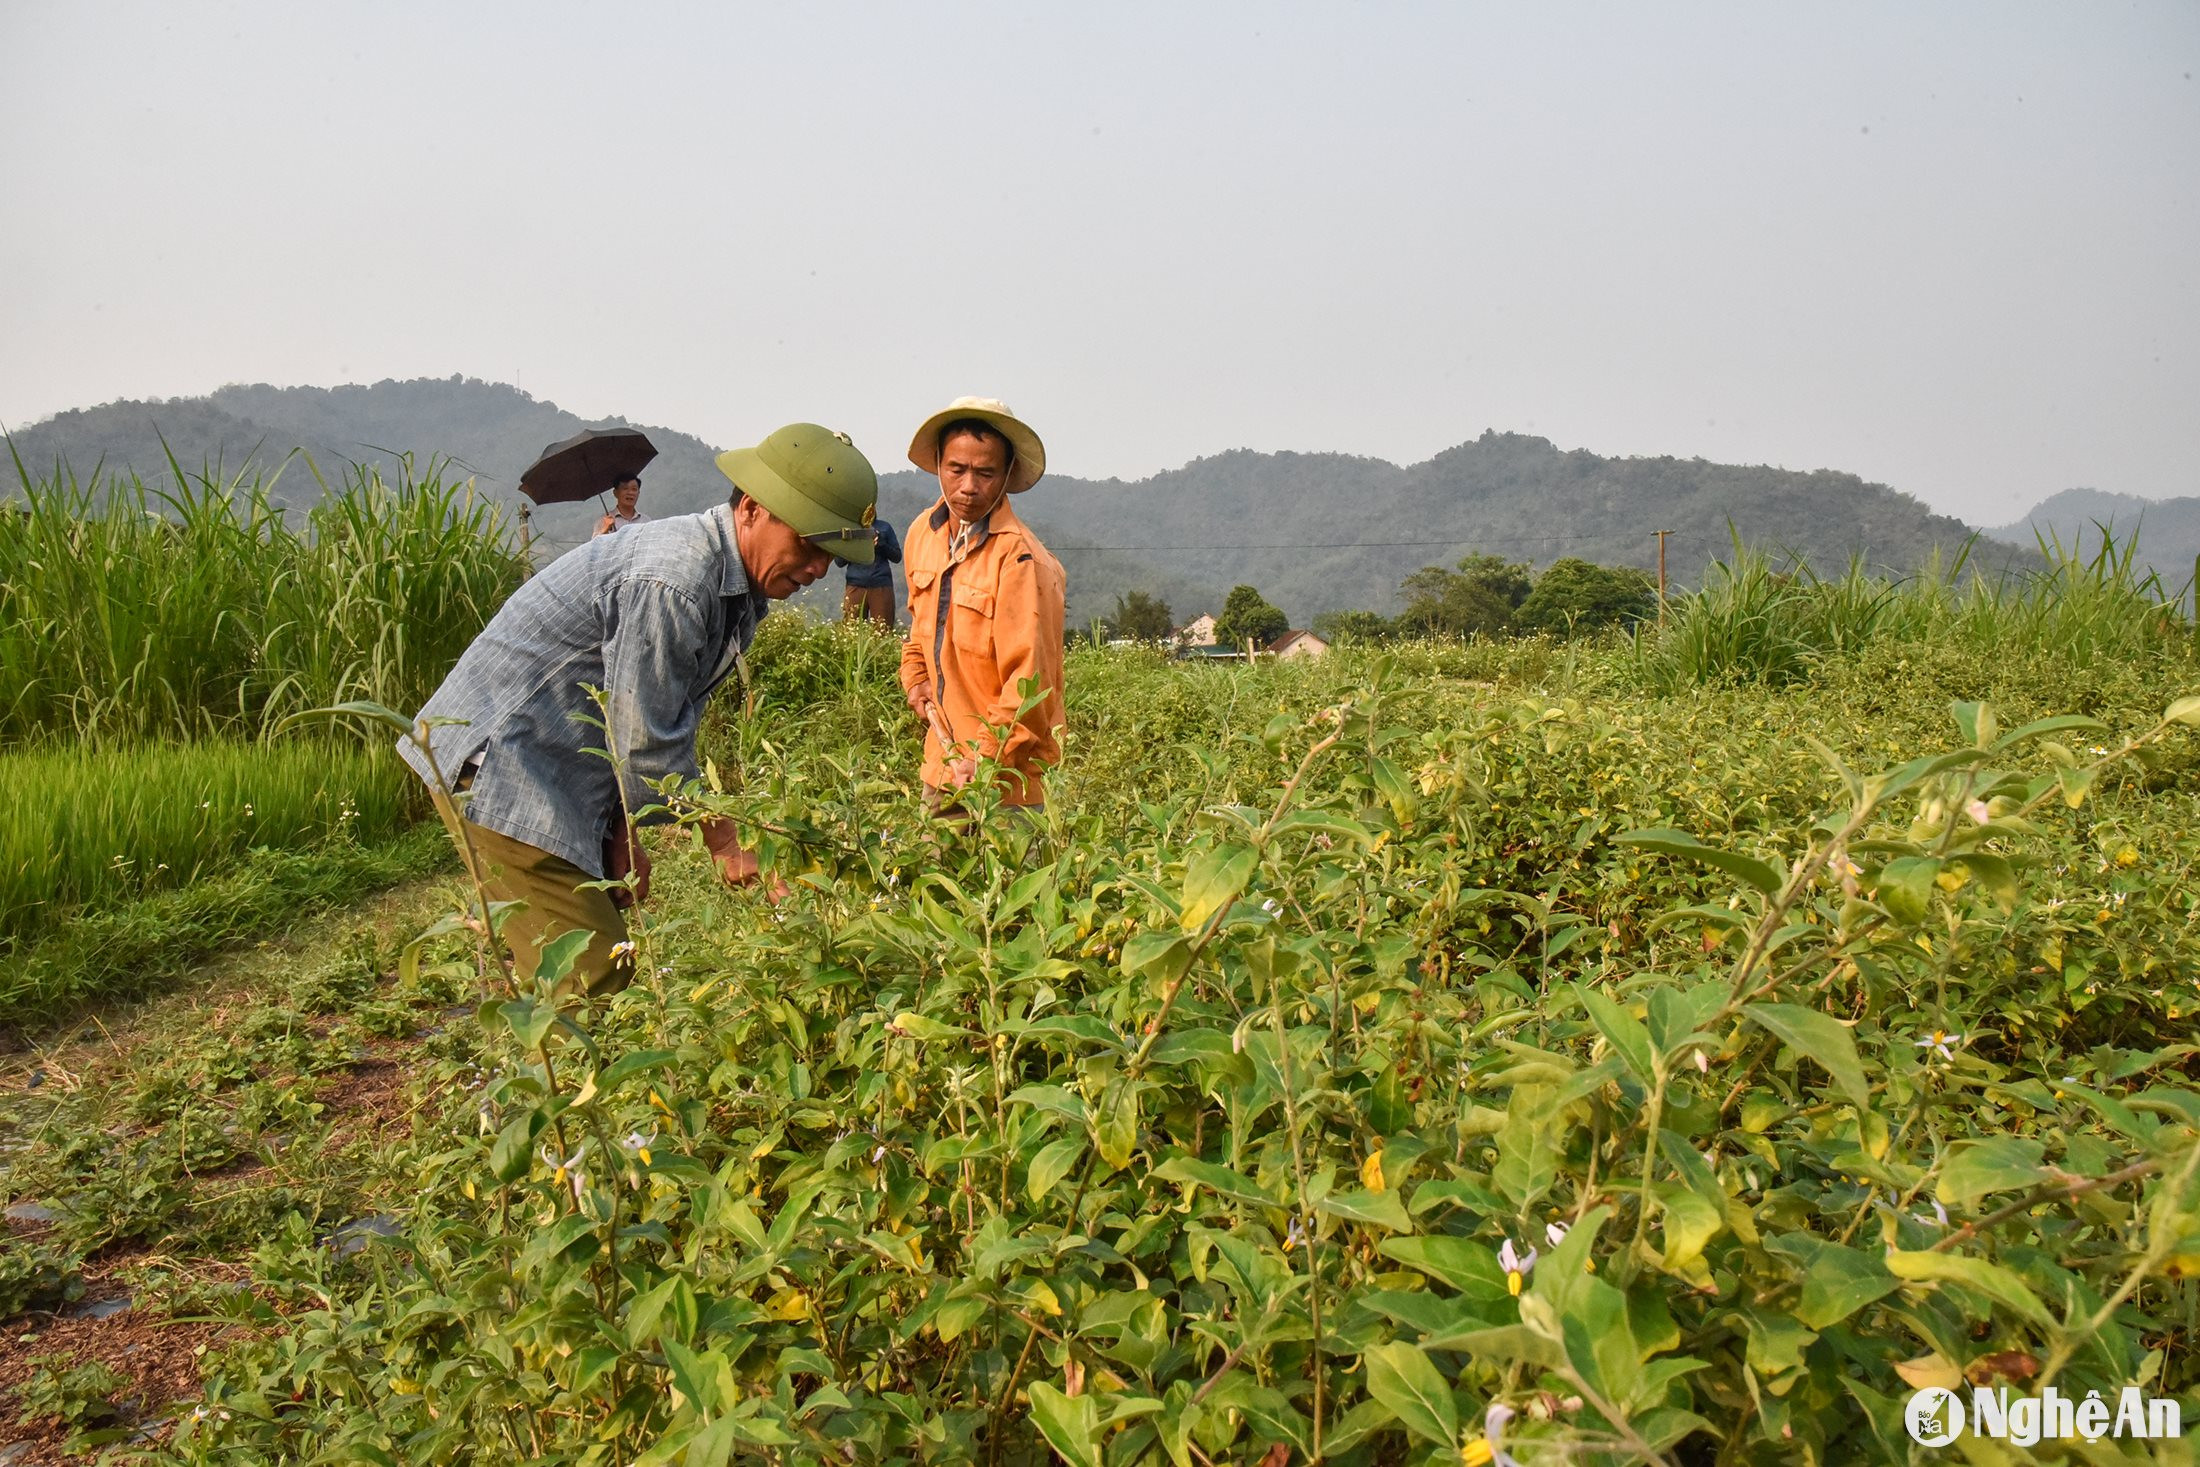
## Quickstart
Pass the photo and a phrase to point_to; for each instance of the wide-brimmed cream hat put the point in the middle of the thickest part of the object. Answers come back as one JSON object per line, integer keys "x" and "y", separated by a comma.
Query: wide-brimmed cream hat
{"x": 1031, "y": 455}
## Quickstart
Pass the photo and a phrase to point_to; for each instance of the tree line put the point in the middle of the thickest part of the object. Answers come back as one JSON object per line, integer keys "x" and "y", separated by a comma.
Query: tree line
{"x": 1483, "y": 595}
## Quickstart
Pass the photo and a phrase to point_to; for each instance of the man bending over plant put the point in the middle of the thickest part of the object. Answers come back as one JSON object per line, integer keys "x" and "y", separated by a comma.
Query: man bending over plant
{"x": 655, "y": 616}
{"x": 985, "y": 608}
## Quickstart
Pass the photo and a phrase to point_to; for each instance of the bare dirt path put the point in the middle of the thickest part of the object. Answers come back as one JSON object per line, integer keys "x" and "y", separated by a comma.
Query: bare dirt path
{"x": 101, "y": 1063}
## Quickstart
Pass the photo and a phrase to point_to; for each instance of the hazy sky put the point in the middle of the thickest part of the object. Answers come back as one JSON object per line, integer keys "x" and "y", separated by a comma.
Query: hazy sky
{"x": 1953, "y": 247}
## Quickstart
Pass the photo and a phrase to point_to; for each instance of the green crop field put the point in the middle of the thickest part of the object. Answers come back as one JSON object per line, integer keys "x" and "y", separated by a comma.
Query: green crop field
{"x": 1816, "y": 1020}
{"x": 154, "y": 645}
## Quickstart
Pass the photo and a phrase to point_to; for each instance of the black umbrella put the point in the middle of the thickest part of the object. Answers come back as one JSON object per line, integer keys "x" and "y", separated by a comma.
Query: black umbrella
{"x": 586, "y": 464}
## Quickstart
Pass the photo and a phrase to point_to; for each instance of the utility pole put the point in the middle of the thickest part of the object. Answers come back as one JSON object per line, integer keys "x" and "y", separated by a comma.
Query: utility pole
{"x": 1661, "y": 534}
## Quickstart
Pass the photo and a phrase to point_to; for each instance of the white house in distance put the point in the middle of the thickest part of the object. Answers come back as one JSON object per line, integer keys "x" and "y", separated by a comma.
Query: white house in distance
{"x": 1297, "y": 646}
{"x": 1198, "y": 632}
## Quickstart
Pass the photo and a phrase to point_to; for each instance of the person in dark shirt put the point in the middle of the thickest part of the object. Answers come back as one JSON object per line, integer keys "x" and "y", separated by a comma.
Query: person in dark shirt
{"x": 871, "y": 587}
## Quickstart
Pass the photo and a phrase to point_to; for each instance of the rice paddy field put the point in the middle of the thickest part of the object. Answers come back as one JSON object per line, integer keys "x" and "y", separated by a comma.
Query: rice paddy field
{"x": 156, "y": 648}
{"x": 1678, "y": 1048}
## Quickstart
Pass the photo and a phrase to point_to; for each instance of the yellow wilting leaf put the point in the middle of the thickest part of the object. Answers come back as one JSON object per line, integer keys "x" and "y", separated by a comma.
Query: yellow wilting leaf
{"x": 1371, "y": 1171}
{"x": 1927, "y": 1372}
{"x": 789, "y": 1304}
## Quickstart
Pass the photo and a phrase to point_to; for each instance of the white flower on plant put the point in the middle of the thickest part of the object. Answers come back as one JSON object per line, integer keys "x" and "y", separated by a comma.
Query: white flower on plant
{"x": 1978, "y": 812}
{"x": 621, "y": 951}
{"x": 567, "y": 1171}
{"x": 1940, "y": 1216}
{"x": 1556, "y": 1233}
{"x": 1940, "y": 1042}
{"x": 1703, "y": 1063}
{"x": 638, "y": 1145}
{"x": 1488, "y": 1449}
{"x": 1517, "y": 1266}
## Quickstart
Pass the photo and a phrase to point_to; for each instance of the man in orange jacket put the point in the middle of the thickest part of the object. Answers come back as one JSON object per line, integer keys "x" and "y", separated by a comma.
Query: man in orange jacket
{"x": 985, "y": 608}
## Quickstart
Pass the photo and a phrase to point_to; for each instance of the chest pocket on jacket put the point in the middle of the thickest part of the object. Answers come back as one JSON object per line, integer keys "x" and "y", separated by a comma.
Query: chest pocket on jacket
{"x": 975, "y": 599}
{"x": 921, "y": 580}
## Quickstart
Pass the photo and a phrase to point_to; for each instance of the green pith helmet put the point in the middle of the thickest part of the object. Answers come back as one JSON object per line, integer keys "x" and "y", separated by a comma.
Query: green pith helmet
{"x": 817, "y": 481}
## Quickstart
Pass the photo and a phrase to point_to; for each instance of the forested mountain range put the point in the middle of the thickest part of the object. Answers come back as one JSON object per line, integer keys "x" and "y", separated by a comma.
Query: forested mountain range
{"x": 1315, "y": 531}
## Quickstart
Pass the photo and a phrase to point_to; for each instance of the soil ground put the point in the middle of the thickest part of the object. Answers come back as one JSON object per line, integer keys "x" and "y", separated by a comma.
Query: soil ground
{"x": 159, "y": 1354}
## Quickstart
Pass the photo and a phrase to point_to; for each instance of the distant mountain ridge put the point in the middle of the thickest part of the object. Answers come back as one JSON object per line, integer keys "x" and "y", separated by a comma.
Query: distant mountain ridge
{"x": 2168, "y": 530}
{"x": 1315, "y": 531}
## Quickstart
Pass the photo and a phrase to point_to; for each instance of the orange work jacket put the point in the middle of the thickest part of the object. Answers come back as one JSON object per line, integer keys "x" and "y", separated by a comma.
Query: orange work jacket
{"x": 977, "y": 628}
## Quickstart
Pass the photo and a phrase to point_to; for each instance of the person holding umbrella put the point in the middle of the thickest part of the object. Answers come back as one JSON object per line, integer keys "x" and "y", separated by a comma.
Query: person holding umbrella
{"x": 656, "y": 616}
{"x": 625, "y": 496}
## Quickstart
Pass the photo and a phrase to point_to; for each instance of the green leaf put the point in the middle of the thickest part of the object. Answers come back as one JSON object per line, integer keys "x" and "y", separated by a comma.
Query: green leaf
{"x": 1990, "y": 1279}
{"x": 1054, "y": 1099}
{"x": 1163, "y": 956}
{"x": 1325, "y": 822}
{"x": 1403, "y": 1379}
{"x": 1837, "y": 1280}
{"x": 2184, "y": 710}
{"x": 1977, "y": 723}
{"x": 559, "y": 955}
{"x": 1622, "y": 1030}
{"x": 1215, "y": 1178}
{"x": 1388, "y": 1110}
{"x": 529, "y": 1021}
{"x": 694, "y": 1376}
{"x": 1669, "y": 842}
{"x": 1052, "y": 1163}
{"x": 1352, "y": 1428}
{"x": 1996, "y": 875}
{"x": 1972, "y": 1169}
{"x": 1397, "y": 791}
{"x": 1824, "y": 1039}
{"x": 515, "y": 1148}
{"x": 1115, "y": 1126}
{"x": 669, "y": 1311}
{"x": 627, "y": 1066}
{"x": 925, "y": 1030}
{"x": 1689, "y": 1223}
{"x": 1467, "y": 1266}
{"x": 1527, "y": 1149}
{"x": 1384, "y": 1209}
{"x": 1214, "y": 881}
{"x": 1071, "y": 1424}
{"x": 1905, "y": 888}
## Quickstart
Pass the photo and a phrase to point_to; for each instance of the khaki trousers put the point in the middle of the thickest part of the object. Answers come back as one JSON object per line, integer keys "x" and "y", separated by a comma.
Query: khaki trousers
{"x": 518, "y": 872}
{"x": 874, "y": 602}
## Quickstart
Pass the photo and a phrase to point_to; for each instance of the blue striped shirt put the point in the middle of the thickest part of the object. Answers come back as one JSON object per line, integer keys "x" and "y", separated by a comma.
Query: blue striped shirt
{"x": 655, "y": 615}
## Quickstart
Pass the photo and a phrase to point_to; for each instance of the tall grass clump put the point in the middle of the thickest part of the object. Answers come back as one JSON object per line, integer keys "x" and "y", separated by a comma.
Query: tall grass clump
{"x": 131, "y": 612}
{"x": 94, "y": 827}
{"x": 1752, "y": 621}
